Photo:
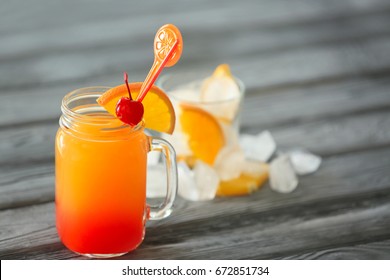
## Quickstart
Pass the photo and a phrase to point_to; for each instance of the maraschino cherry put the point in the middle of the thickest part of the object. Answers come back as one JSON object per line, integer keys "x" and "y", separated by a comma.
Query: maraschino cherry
{"x": 128, "y": 110}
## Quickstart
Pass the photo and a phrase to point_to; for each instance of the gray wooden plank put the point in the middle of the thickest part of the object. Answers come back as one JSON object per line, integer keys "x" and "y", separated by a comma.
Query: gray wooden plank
{"x": 333, "y": 136}
{"x": 26, "y": 184}
{"x": 78, "y": 62}
{"x": 319, "y": 48}
{"x": 248, "y": 40}
{"x": 348, "y": 194}
{"x": 43, "y": 16}
{"x": 321, "y": 63}
{"x": 365, "y": 251}
{"x": 268, "y": 236}
{"x": 39, "y": 223}
{"x": 230, "y": 233}
{"x": 254, "y": 35}
{"x": 27, "y": 144}
{"x": 263, "y": 109}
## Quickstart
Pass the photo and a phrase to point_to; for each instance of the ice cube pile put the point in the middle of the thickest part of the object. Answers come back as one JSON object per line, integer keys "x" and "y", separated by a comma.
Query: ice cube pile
{"x": 285, "y": 166}
{"x": 201, "y": 182}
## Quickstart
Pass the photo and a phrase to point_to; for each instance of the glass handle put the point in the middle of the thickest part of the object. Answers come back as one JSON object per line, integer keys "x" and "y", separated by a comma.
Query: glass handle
{"x": 164, "y": 209}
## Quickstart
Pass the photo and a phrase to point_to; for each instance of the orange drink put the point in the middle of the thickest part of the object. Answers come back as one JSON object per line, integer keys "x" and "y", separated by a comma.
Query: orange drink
{"x": 101, "y": 167}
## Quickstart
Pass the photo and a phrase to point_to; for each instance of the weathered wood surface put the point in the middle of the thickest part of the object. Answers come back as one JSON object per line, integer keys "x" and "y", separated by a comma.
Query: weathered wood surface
{"x": 316, "y": 76}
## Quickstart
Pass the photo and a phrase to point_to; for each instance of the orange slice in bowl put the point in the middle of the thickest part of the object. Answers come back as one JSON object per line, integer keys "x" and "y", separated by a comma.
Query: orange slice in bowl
{"x": 159, "y": 114}
{"x": 253, "y": 176}
{"x": 205, "y": 135}
{"x": 242, "y": 185}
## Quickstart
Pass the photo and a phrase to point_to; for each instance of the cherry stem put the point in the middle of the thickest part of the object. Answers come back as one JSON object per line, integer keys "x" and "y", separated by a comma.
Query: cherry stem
{"x": 126, "y": 78}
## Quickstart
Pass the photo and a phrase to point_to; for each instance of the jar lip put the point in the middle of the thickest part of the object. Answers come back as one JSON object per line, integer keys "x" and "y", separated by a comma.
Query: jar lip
{"x": 107, "y": 122}
{"x": 85, "y": 91}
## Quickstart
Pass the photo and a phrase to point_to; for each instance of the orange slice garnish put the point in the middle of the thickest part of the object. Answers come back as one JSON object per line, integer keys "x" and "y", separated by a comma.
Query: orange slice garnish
{"x": 159, "y": 114}
{"x": 205, "y": 135}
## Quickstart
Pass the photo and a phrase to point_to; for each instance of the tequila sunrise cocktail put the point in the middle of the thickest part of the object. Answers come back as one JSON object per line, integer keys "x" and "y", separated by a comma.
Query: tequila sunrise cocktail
{"x": 100, "y": 186}
{"x": 101, "y": 167}
{"x": 101, "y": 159}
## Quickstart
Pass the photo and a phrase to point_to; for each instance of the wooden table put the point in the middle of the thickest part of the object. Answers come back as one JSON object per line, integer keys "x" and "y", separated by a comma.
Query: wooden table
{"x": 317, "y": 77}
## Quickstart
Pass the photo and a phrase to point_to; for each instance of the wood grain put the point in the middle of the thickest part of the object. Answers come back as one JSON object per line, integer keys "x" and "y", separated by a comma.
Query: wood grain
{"x": 214, "y": 14}
{"x": 44, "y": 87}
{"x": 310, "y": 102}
{"x": 238, "y": 234}
{"x": 365, "y": 251}
{"x": 312, "y": 217}
{"x": 316, "y": 74}
{"x": 26, "y": 185}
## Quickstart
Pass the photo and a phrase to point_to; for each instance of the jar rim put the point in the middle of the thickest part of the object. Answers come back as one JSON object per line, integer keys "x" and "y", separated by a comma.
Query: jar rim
{"x": 88, "y": 97}
{"x": 70, "y": 96}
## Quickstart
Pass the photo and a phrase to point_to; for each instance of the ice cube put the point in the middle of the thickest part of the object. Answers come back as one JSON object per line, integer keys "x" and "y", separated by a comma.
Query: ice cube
{"x": 179, "y": 141}
{"x": 259, "y": 147}
{"x": 219, "y": 88}
{"x": 197, "y": 185}
{"x": 254, "y": 168}
{"x": 231, "y": 134}
{"x": 187, "y": 93}
{"x": 304, "y": 162}
{"x": 229, "y": 162}
{"x": 155, "y": 181}
{"x": 223, "y": 110}
{"x": 187, "y": 187}
{"x": 206, "y": 179}
{"x": 221, "y": 96}
{"x": 282, "y": 176}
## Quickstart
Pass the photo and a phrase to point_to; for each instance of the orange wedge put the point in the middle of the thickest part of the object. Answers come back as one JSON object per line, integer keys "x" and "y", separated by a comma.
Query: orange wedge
{"x": 205, "y": 135}
{"x": 223, "y": 70}
{"x": 159, "y": 114}
{"x": 250, "y": 180}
